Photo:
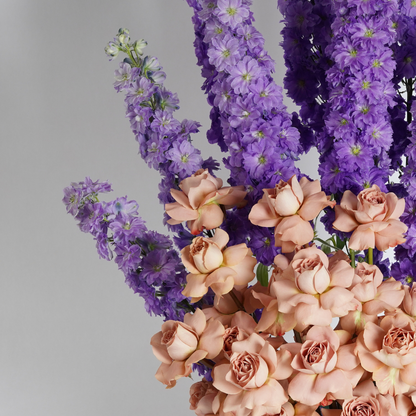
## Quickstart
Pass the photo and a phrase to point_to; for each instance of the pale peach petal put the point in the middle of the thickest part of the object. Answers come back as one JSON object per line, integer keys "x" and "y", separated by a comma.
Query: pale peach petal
{"x": 197, "y": 194}
{"x": 220, "y": 275}
{"x": 395, "y": 206}
{"x": 312, "y": 315}
{"x": 362, "y": 238}
{"x": 344, "y": 220}
{"x": 262, "y": 215}
{"x": 159, "y": 350}
{"x": 195, "y": 287}
{"x": 286, "y": 202}
{"x": 198, "y": 355}
{"x": 223, "y": 287}
{"x": 220, "y": 238}
{"x": 295, "y": 229}
{"x": 211, "y": 340}
{"x": 187, "y": 260}
{"x": 341, "y": 273}
{"x": 230, "y": 197}
{"x": 390, "y": 236}
{"x": 211, "y": 215}
{"x": 235, "y": 254}
{"x": 196, "y": 320}
{"x": 373, "y": 337}
{"x": 309, "y": 187}
{"x": 390, "y": 360}
{"x": 219, "y": 374}
{"x": 408, "y": 374}
{"x": 349, "y": 201}
{"x": 321, "y": 333}
{"x": 244, "y": 271}
{"x": 297, "y": 190}
{"x": 313, "y": 205}
{"x": 333, "y": 382}
{"x": 302, "y": 389}
{"x": 347, "y": 360}
{"x": 336, "y": 297}
{"x": 179, "y": 213}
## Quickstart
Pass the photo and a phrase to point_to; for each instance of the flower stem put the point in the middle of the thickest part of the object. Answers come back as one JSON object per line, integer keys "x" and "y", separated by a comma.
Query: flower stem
{"x": 352, "y": 257}
{"x": 237, "y": 301}
{"x": 370, "y": 255}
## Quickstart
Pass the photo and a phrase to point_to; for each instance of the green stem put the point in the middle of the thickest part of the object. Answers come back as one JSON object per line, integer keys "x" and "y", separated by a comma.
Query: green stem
{"x": 324, "y": 242}
{"x": 352, "y": 257}
{"x": 370, "y": 255}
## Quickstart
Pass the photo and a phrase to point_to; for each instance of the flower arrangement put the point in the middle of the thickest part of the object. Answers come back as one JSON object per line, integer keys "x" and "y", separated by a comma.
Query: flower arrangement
{"x": 275, "y": 319}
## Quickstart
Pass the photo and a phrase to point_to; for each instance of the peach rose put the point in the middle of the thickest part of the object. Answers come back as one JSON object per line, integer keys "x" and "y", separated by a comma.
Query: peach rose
{"x": 202, "y": 394}
{"x": 388, "y": 351}
{"x": 212, "y": 265}
{"x": 409, "y": 301}
{"x": 181, "y": 344}
{"x": 250, "y": 378}
{"x": 289, "y": 207}
{"x": 373, "y": 216}
{"x": 315, "y": 290}
{"x": 201, "y": 200}
{"x": 325, "y": 367}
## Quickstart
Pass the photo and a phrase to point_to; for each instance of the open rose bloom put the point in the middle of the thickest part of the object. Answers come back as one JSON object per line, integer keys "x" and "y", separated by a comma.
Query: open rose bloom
{"x": 373, "y": 216}
{"x": 325, "y": 332}
{"x": 201, "y": 201}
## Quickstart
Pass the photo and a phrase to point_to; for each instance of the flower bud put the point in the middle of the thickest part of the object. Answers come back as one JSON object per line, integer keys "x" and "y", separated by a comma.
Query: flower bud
{"x": 111, "y": 50}
{"x": 123, "y": 36}
{"x": 139, "y": 45}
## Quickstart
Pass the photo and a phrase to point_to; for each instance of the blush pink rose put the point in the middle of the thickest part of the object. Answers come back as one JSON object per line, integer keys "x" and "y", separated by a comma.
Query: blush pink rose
{"x": 214, "y": 266}
{"x": 250, "y": 377}
{"x": 325, "y": 365}
{"x": 202, "y": 395}
{"x": 409, "y": 301}
{"x": 289, "y": 207}
{"x": 388, "y": 352}
{"x": 201, "y": 201}
{"x": 373, "y": 216}
{"x": 314, "y": 289}
{"x": 181, "y": 344}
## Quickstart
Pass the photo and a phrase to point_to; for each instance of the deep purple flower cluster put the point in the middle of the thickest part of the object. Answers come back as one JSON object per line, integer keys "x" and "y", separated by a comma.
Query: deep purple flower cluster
{"x": 306, "y": 35}
{"x": 354, "y": 146}
{"x": 150, "y": 264}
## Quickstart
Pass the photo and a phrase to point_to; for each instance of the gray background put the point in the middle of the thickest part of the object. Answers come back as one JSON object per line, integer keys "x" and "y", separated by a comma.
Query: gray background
{"x": 74, "y": 340}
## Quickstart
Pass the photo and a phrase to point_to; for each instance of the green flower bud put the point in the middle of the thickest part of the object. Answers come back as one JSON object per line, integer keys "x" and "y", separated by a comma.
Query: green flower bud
{"x": 139, "y": 45}
{"x": 111, "y": 50}
{"x": 123, "y": 36}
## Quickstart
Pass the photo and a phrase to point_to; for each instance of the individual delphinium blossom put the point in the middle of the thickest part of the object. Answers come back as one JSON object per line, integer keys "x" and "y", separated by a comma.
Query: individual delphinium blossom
{"x": 289, "y": 207}
{"x": 250, "y": 378}
{"x": 404, "y": 271}
{"x": 212, "y": 264}
{"x": 201, "y": 201}
{"x": 314, "y": 288}
{"x": 326, "y": 367}
{"x": 373, "y": 216}
{"x": 180, "y": 344}
{"x": 150, "y": 265}
{"x": 388, "y": 351}
{"x": 232, "y": 12}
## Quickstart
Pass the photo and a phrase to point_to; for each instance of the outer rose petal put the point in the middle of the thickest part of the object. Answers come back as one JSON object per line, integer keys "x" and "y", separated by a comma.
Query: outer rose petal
{"x": 179, "y": 213}
{"x": 212, "y": 338}
{"x": 344, "y": 220}
{"x": 197, "y": 321}
{"x": 220, "y": 382}
{"x": 302, "y": 389}
{"x": 313, "y": 205}
{"x": 294, "y": 229}
{"x": 262, "y": 215}
{"x": 195, "y": 287}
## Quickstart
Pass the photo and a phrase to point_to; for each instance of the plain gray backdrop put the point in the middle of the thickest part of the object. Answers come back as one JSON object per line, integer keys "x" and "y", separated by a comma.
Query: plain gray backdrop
{"x": 74, "y": 337}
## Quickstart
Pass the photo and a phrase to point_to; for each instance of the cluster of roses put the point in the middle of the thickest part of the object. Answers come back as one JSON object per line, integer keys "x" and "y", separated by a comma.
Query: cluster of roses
{"x": 367, "y": 362}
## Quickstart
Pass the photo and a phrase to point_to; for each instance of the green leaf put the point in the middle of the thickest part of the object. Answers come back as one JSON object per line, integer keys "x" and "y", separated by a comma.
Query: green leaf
{"x": 262, "y": 274}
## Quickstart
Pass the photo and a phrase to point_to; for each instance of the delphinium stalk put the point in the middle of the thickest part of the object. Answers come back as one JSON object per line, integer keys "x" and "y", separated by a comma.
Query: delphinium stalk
{"x": 151, "y": 266}
{"x": 306, "y": 35}
{"x": 403, "y": 152}
{"x": 164, "y": 142}
{"x": 248, "y": 116}
{"x": 354, "y": 147}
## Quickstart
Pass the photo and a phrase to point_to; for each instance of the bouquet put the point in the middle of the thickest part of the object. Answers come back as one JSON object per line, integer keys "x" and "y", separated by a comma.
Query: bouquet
{"x": 275, "y": 319}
